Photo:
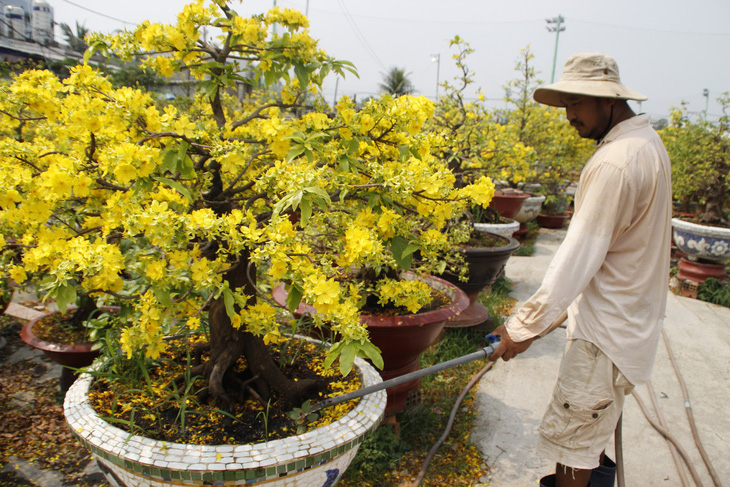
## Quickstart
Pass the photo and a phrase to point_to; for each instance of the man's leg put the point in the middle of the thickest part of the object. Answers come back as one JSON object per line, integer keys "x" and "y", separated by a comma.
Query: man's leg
{"x": 571, "y": 477}
{"x": 582, "y": 415}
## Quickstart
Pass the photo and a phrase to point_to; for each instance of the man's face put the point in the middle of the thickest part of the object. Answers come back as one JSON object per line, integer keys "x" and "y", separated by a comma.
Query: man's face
{"x": 589, "y": 115}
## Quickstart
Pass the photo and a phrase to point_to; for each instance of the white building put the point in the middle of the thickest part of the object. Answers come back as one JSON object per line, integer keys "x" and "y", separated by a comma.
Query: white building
{"x": 27, "y": 20}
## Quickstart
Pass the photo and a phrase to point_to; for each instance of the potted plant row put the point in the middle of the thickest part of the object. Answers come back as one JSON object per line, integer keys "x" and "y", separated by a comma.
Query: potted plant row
{"x": 700, "y": 155}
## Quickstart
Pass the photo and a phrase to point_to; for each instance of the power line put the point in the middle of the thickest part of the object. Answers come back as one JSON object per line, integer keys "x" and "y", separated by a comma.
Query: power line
{"x": 359, "y": 35}
{"x": 98, "y": 13}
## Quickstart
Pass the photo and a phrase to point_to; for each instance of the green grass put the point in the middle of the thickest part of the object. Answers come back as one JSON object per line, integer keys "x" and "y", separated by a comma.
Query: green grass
{"x": 386, "y": 460}
{"x": 715, "y": 292}
{"x": 527, "y": 246}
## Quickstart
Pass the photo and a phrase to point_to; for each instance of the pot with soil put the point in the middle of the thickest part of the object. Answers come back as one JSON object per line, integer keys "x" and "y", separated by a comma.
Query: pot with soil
{"x": 486, "y": 255}
{"x": 402, "y": 338}
{"x": 508, "y": 201}
{"x": 68, "y": 346}
{"x": 313, "y": 458}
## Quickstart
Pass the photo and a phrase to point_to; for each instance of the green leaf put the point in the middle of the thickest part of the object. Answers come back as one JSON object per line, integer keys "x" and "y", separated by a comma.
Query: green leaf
{"x": 372, "y": 352}
{"x": 293, "y": 298}
{"x": 64, "y": 295}
{"x": 229, "y": 301}
{"x": 403, "y": 251}
{"x": 163, "y": 296}
{"x": 332, "y": 355}
{"x": 294, "y": 152}
{"x": 347, "y": 358}
{"x": 306, "y": 208}
{"x": 176, "y": 186}
{"x": 302, "y": 75}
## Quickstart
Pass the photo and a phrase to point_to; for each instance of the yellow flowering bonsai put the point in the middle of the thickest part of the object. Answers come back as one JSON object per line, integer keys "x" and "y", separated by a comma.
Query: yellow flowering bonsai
{"x": 175, "y": 216}
{"x": 475, "y": 144}
{"x": 557, "y": 152}
{"x": 699, "y": 151}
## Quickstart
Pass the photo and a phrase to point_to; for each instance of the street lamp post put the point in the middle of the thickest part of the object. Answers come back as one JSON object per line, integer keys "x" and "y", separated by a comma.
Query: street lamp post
{"x": 556, "y": 25}
{"x": 436, "y": 58}
{"x": 706, "y": 94}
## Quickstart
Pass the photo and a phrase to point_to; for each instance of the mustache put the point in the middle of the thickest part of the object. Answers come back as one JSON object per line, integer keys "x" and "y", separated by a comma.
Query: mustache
{"x": 576, "y": 123}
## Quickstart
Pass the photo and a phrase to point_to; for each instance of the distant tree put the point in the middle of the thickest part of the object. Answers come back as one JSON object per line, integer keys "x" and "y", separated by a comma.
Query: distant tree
{"x": 75, "y": 40}
{"x": 396, "y": 82}
{"x": 134, "y": 76}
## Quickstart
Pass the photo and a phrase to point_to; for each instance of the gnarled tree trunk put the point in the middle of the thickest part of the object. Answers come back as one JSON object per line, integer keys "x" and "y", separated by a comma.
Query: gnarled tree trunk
{"x": 228, "y": 343}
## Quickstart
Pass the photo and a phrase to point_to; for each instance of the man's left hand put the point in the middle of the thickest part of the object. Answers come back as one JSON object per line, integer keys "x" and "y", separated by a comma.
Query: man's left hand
{"x": 508, "y": 349}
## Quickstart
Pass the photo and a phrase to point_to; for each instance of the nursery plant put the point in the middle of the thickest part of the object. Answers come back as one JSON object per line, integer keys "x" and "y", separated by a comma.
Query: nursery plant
{"x": 476, "y": 143}
{"x": 558, "y": 153}
{"x": 700, "y": 153}
{"x": 179, "y": 217}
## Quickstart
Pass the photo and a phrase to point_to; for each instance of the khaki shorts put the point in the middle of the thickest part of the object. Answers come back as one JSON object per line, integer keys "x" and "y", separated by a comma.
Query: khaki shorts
{"x": 585, "y": 407}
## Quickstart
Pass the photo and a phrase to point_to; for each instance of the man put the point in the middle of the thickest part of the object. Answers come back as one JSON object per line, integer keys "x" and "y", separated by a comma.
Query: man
{"x": 610, "y": 273}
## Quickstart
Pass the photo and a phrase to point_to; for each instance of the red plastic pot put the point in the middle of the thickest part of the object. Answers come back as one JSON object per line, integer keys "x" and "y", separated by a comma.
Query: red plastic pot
{"x": 699, "y": 271}
{"x": 74, "y": 356}
{"x": 508, "y": 204}
{"x": 552, "y": 221}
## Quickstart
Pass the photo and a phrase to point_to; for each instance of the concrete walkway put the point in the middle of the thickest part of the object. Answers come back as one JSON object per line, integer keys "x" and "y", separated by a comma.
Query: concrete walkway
{"x": 513, "y": 395}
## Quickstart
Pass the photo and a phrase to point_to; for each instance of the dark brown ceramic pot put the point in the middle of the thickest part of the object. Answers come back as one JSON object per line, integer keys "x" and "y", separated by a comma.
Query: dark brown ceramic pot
{"x": 486, "y": 264}
{"x": 552, "y": 221}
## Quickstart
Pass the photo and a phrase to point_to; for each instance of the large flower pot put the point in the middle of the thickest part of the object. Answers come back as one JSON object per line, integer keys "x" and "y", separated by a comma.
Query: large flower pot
{"x": 402, "y": 338}
{"x": 504, "y": 229}
{"x": 316, "y": 458}
{"x": 552, "y": 221}
{"x": 530, "y": 209}
{"x": 74, "y": 356}
{"x": 701, "y": 241}
{"x": 700, "y": 271}
{"x": 485, "y": 266}
{"x": 508, "y": 203}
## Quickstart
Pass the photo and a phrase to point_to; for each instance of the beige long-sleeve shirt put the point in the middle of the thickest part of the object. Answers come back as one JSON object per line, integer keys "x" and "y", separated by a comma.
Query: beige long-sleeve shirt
{"x": 611, "y": 272}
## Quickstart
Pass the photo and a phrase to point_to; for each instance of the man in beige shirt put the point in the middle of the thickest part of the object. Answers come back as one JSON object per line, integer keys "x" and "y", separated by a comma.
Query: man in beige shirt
{"x": 611, "y": 272}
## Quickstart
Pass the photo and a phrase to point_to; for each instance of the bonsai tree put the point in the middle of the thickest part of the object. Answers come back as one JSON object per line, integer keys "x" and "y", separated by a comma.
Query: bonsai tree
{"x": 475, "y": 144}
{"x": 558, "y": 152}
{"x": 700, "y": 153}
{"x": 175, "y": 216}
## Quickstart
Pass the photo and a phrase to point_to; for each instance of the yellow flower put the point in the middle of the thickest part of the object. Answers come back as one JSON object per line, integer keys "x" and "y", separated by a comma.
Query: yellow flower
{"x": 155, "y": 270}
{"x": 17, "y": 274}
{"x": 125, "y": 173}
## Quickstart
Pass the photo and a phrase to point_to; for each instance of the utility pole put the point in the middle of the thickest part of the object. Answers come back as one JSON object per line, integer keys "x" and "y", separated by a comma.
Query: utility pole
{"x": 436, "y": 58}
{"x": 556, "y": 25}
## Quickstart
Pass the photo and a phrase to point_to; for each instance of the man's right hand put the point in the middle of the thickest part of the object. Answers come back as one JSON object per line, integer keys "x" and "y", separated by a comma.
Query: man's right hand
{"x": 507, "y": 348}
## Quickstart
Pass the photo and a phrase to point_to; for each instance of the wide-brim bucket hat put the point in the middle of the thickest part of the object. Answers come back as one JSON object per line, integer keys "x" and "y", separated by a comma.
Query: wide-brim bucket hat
{"x": 589, "y": 74}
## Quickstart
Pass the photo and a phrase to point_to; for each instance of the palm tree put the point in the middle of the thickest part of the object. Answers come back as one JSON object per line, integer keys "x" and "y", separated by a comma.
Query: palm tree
{"x": 75, "y": 40}
{"x": 396, "y": 82}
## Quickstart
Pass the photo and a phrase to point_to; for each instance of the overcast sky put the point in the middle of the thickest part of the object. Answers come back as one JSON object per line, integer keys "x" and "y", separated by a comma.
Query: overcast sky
{"x": 670, "y": 50}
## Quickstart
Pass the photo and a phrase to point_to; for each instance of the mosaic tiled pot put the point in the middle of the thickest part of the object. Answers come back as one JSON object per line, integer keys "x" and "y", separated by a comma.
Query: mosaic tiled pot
{"x": 530, "y": 209}
{"x": 701, "y": 241}
{"x": 503, "y": 229}
{"x": 317, "y": 458}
